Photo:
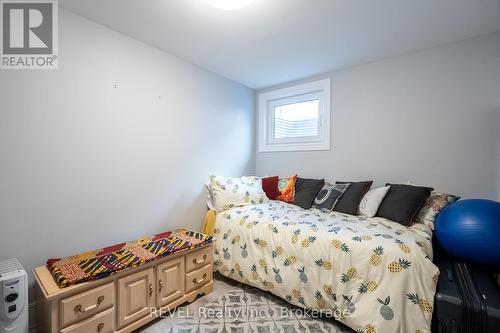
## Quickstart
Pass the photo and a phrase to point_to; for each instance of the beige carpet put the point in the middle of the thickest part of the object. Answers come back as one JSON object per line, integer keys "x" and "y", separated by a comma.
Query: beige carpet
{"x": 242, "y": 309}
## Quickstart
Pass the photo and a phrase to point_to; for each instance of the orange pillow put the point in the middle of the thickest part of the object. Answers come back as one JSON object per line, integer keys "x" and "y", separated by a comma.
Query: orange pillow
{"x": 286, "y": 186}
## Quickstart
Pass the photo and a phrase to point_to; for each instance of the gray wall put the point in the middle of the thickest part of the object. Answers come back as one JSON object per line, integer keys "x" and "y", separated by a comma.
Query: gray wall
{"x": 432, "y": 117}
{"x": 84, "y": 164}
{"x": 498, "y": 156}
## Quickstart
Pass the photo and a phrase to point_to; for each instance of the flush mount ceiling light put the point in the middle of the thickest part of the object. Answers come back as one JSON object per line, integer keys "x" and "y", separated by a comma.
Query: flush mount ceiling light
{"x": 229, "y": 4}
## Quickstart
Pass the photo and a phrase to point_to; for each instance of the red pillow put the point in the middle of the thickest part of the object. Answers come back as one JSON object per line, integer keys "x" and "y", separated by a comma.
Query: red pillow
{"x": 270, "y": 186}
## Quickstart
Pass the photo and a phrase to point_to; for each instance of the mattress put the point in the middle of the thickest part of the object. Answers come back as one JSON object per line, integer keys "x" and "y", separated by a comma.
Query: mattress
{"x": 372, "y": 274}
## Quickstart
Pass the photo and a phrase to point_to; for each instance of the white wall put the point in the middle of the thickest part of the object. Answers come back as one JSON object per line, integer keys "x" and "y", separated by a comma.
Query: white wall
{"x": 432, "y": 117}
{"x": 84, "y": 164}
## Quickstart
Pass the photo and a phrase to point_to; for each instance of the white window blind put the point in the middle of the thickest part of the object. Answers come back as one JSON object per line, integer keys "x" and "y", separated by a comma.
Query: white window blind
{"x": 296, "y": 120}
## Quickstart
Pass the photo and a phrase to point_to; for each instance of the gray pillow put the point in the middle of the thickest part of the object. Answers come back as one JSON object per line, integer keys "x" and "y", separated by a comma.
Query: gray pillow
{"x": 306, "y": 190}
{"x": 402, "y": 203}
{"x": 329, "y": 195}
{"x": 349, "y": 202}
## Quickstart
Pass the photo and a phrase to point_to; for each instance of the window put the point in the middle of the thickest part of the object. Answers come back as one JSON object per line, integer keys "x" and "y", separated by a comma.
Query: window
{"x": 295, "y": 118}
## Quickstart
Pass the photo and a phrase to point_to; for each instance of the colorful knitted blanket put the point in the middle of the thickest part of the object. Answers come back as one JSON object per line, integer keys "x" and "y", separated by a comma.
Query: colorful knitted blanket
{"x": 101, "y": 263}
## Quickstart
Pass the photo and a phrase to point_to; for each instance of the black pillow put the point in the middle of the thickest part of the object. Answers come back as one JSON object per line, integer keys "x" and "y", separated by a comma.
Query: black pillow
{"x": 306, "y": 190}
{"x": 402, "y": 203}
{"x": 350, "y": 200}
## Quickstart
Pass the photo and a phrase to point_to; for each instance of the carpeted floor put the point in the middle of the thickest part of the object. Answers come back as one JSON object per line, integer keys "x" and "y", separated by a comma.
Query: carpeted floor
{"x": 236, "y": 308}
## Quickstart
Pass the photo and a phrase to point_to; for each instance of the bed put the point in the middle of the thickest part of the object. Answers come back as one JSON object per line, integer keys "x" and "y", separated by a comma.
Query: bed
{"x": 379, "y": 271}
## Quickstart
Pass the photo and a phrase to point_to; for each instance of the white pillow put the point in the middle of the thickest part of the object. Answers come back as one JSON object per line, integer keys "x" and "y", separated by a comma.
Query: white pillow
{"x": 210, "y": 200}
{"x": 235, "y": 192}
{"x": 372, "y": 200}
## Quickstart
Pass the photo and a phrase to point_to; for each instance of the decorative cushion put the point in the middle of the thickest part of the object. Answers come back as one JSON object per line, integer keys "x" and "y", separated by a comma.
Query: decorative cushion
{"x": 435, "y": 203}
{"x": 286, "y": 186}
{"x": 329, "y": 195}
{"x": 306, "y": 190}
{"x": 235, "y": 192}
{"x": 372, "y": 200}
{"x": 210, "y": 199}
{"x": 349, "y": 202}
{"x": 98, "y": 264}
{"x": 402, "y": 203}
{"x": 270, "y": 186}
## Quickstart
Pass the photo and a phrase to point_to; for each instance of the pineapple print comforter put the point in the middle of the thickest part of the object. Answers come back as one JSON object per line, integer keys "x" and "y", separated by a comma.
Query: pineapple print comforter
{"x": 378, "y": 270}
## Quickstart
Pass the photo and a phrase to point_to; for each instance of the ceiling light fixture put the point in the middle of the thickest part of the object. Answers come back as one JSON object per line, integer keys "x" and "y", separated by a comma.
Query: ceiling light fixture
{"x": 229, "y": 4}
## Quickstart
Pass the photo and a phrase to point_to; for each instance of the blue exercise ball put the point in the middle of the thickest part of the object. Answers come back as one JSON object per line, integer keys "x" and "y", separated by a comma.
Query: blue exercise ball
{"x": 470, "y": 230}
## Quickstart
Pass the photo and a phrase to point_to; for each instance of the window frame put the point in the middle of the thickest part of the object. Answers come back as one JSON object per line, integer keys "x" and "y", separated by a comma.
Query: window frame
{"x": 320, "y": 90}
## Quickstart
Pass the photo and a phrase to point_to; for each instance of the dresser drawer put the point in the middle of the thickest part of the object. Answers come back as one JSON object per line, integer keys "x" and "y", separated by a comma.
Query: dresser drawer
{"x": 199, "y": 258}
{"x": 198, "y": 278}
{"x": 101, "y": 323}
{"x": 87, "y": 304}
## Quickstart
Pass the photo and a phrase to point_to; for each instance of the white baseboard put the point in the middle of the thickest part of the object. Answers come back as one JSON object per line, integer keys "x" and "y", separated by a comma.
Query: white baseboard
{"x": 35, "y": 329}
{"x": 34, "y": 323}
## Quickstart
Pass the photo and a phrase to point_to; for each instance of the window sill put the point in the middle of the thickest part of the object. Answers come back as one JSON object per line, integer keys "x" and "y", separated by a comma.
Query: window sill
{"x": 266, "y": 148}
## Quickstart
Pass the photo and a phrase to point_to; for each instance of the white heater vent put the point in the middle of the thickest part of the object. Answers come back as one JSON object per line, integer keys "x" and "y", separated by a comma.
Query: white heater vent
{"x": 10, "y": 266}
{"x": 13, "y": 297}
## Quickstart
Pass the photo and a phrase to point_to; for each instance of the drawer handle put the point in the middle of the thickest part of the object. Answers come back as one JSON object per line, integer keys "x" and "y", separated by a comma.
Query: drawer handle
{"x": 79, "y": 308}
{"x": 161, "y": 285}
{"x": 100, "y": 327}
{"x": 150, "y": 290}
{"x": 200, "y": 280}
{"x": 196, "y": 262}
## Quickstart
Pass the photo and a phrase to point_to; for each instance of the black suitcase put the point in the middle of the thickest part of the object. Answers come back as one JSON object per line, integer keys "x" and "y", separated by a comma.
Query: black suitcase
{"x": 467, "y": 299}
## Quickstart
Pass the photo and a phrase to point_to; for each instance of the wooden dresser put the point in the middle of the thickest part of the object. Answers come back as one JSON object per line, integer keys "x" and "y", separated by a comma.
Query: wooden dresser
{"x": 127, "y": 300}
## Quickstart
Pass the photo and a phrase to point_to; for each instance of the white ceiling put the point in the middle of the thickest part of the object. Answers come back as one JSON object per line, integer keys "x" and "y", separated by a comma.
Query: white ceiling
{"x": 275, "y": 41}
